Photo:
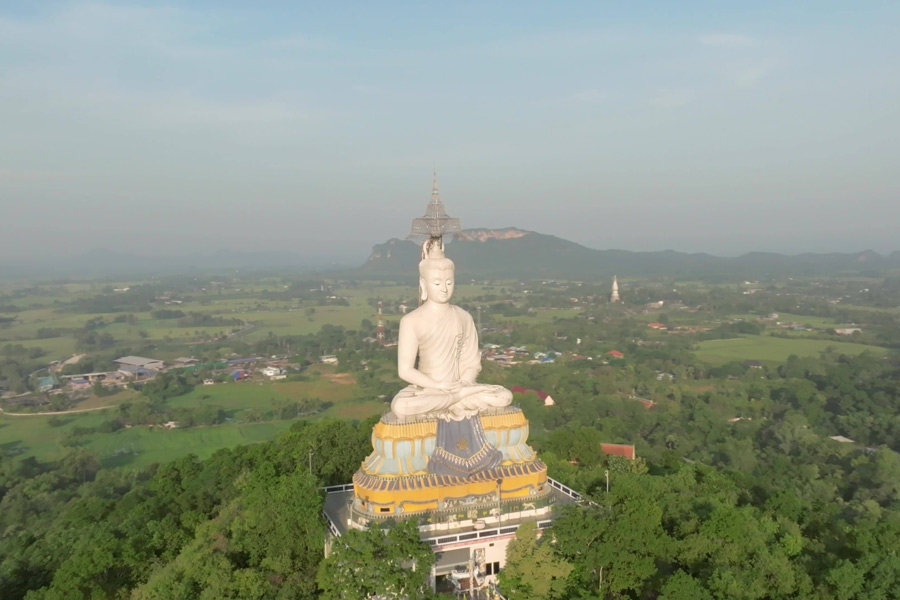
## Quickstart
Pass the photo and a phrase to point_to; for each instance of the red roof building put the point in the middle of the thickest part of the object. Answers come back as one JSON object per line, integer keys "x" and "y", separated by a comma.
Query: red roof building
{"x": 656, "y": 325}
{"x": 615, "y": 354}
{"x": 518, "y": 389}
{"x": 623, "y": 450}
{"x": 648, "y": 404}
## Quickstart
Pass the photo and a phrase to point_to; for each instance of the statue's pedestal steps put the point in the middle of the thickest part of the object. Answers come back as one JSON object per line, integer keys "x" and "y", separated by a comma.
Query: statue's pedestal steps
{"x": 394, "y": 479}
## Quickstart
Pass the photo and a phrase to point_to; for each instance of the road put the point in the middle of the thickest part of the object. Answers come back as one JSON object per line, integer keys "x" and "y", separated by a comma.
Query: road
{"x": 60, "y": 412}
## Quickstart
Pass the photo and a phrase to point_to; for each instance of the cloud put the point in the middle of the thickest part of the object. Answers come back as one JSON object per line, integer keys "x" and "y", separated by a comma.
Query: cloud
{"x": 727, "y": 40}
{"x": 15, "y": 176}
{"x": 672, "y": 98}
{"x": 90, "y": 28}
{"x": 146, "y": 67}
{"x": 299, "y": 43}
{"x": 145, "y": 109}
{"x": 583, "y": 97}
{"x": 588, "y": 96}
{"x": 750, "y": 72}
{"x": 549, "y": 44}
{"x": 747, "y": 77}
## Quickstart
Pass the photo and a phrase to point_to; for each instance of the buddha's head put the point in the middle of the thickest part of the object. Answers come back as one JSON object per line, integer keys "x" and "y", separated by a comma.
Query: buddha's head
{"x": 436, "y": 278}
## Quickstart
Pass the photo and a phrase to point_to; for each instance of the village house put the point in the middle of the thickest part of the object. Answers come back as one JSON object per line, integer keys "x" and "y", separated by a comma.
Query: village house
{"x": 842, "y": 439}
{"x": 79, "y": 383}
{"x": 847, "y": 330}
{"x": 274, "y": 372}
{"x": 240, "y": 375}
{"x": 623, "y": 450}
{"x": 138, "y": 365}
{"x": 244, "y": 360}
{"x": 185, "y": 362}
{"x": 45, "y": 384}
{"x": 548, "y": 401}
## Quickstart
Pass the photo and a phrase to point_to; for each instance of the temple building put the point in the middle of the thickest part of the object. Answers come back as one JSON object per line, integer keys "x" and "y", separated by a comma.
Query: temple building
{"x": 453, "y": 453}
{"x": 614, "y": 296}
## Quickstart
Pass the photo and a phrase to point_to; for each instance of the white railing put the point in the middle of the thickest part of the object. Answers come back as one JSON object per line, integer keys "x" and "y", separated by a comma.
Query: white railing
{"x": 348, "y": 487}
{"x": 479, "y": 535}
{"x": 332, "y": 527}
{"x": 336, "y": 489}
{"x": 470, "y": 535}
{"x": 564, "y": 489}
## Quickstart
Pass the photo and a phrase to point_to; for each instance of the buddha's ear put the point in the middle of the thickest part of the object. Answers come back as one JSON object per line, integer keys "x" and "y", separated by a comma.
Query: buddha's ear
{"x": 423, "y": 294}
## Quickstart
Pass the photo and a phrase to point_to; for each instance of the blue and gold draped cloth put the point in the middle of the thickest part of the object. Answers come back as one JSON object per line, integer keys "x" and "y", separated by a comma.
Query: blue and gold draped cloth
{"x": 462, "y": 449}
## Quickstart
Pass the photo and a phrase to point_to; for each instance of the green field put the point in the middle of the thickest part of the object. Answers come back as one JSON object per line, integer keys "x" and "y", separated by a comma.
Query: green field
{"x": 893, "y": 310}
{"x": 535, "y": 317}
{"x": 809, "y": 321}
{"x": 295, "y": 322}
{"x": 137, "y": 446}
{"x": 51, "y": 306}
{"x": 52, "y": 309}
{"x": 240, "y": 397}
{"x": 140, "y": 446}
{"x": 35, "y": 436}
{"x": 814, "y": 322}
{"x": 773, "y": 350}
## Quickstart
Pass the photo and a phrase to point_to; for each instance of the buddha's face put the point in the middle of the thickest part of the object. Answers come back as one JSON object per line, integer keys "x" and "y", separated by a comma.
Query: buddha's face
{"x": 438, "y": 285}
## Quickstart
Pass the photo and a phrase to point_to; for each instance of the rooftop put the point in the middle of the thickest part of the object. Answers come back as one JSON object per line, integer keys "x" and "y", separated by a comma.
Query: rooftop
{"x": 136, "y": 361}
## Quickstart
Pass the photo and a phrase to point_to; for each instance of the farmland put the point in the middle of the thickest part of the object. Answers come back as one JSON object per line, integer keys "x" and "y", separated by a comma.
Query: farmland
{"x": 297, "y": 320}
{"x": 774, "y": 350}
{"x": 47, "y": 438}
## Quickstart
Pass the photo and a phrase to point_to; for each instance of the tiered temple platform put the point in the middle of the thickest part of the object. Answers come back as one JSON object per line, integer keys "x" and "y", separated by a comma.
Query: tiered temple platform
{"x": 395, "y": 480}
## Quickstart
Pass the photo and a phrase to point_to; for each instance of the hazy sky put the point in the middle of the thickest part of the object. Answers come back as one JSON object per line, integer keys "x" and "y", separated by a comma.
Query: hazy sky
{"x": 163, "y": 128}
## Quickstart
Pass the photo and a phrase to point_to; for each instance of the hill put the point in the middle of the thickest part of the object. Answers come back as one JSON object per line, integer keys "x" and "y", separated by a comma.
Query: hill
{"x": 516, "y": 253}
{"x": 480, "y": 254}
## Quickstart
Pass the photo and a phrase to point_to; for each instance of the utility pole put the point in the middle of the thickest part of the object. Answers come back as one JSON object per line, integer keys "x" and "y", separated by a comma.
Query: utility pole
{"x": 379, "y": 335}
{"x": 607, "y": 483}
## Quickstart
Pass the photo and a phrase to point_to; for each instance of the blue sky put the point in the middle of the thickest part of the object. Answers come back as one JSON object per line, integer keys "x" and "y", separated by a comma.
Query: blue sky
{"x": 165, "y": 128}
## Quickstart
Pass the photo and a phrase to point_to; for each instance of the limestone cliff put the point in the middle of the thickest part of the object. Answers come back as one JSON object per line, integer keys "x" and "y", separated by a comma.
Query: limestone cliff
{"x": 482, "y": 235}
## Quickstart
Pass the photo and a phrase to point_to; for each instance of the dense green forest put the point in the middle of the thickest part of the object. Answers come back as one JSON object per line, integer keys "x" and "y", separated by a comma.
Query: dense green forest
{"x": 767, "y": 506}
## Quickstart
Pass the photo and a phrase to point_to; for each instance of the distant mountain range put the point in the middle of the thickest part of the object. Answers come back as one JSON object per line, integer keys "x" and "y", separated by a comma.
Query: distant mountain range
{"x": 100, "y": 263}
{"x": 515, "y": 253}
{"x": 478, "y": 254}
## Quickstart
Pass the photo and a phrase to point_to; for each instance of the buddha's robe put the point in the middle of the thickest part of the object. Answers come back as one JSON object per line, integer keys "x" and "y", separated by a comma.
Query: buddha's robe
{"x": 446, "y": 352}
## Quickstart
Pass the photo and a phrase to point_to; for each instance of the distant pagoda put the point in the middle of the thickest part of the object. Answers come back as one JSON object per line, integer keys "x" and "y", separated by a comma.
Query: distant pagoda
{"x": 614, "y": 296}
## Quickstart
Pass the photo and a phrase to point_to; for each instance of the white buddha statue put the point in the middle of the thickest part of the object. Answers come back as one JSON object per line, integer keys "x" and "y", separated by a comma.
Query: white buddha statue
{"x": 444, "y": 339}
